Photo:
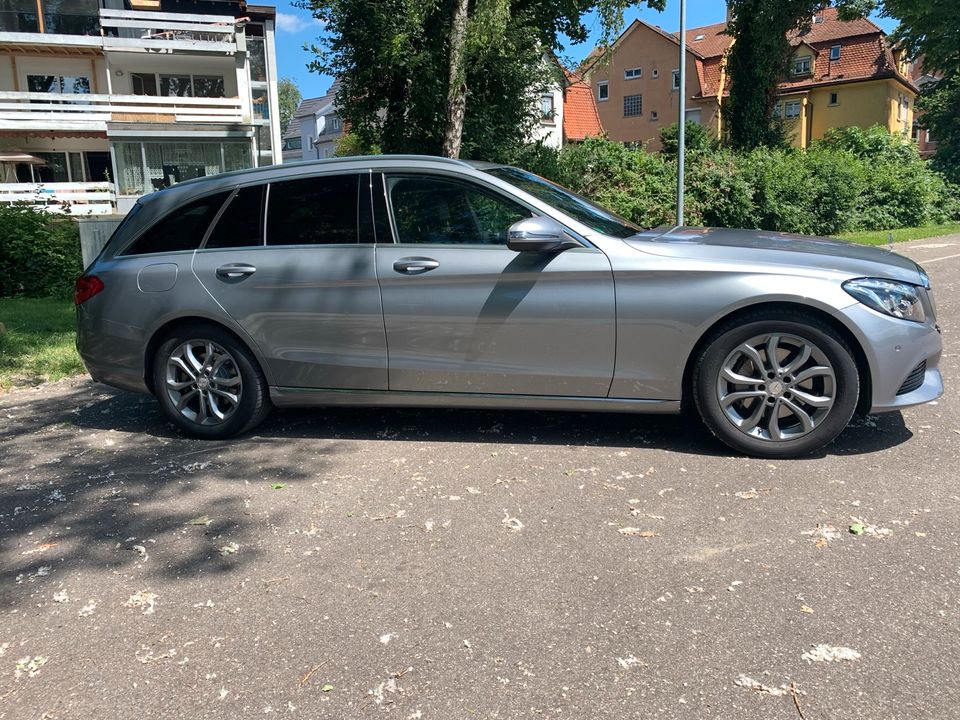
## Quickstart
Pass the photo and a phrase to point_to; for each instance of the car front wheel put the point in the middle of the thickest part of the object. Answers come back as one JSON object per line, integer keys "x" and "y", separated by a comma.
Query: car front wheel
{"x": 776, "y": 385}
{"x": 208, "y": 383}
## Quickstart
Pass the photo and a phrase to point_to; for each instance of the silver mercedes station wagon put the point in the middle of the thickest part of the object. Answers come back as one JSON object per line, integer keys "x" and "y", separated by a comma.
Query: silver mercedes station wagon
{"x": 417, "y": 281}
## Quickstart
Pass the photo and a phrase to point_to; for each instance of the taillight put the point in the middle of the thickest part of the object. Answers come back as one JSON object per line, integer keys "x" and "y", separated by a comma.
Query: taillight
{"x": 87, "y": 286}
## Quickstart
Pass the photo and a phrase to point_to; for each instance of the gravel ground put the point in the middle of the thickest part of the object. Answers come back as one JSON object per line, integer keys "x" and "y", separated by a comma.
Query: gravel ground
{"x": 452, "y": 564}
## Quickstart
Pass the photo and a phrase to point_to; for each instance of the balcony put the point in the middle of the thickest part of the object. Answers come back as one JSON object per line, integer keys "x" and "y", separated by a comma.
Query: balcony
{"x": 67, "y": 198}
{"x": 28, "y": 111}
{"x": 136, "y": 30}
{"x": 122, "y": 30}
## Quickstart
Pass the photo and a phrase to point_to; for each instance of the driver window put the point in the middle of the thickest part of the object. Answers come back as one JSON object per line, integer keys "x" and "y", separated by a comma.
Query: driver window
{"x": 432, "y": 210}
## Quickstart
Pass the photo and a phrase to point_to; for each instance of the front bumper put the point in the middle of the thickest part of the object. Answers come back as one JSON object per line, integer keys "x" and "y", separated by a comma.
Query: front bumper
{"x": 894, "y": 348}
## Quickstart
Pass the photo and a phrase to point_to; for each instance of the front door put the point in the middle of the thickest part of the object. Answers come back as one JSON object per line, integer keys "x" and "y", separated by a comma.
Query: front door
{"x": 464, "y": 314}
{"x": 308, "y": 295}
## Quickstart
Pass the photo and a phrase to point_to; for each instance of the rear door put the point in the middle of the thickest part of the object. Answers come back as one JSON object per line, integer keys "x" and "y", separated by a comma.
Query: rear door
{"x": 465, "y": 314}
{"x": 292, "y": 263}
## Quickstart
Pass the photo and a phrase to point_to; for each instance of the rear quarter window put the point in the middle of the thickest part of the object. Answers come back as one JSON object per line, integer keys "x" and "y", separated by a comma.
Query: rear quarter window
{"x": 241, "y": 222}
{"x": 180, "y": 230}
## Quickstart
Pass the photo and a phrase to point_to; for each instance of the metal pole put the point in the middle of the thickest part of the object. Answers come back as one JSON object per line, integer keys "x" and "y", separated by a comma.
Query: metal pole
{"x": 682, "y": 134}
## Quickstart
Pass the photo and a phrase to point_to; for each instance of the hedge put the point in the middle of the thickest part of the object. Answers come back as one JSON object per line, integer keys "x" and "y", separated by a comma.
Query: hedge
{"x": 853, "y": 179}
{"x": 39, "y": 253}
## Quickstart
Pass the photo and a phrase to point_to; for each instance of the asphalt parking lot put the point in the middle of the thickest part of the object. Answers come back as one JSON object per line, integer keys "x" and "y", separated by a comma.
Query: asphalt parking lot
{"x": 452, "y": 564}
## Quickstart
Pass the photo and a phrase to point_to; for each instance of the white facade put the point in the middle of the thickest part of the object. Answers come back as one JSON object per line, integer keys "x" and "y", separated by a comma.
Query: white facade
{"x": 314, "y": 130}
{"x": 549, "y": 130}
{"x": 113, "y": 102}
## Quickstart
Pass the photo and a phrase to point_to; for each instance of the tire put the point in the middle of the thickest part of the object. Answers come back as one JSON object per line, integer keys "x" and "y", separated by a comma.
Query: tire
{"x": 811, "y": 387}
{"x": 211, "y": 401}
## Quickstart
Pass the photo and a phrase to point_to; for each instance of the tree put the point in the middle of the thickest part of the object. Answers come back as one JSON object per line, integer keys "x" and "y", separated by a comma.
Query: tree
{"x": 757, "y": 63}
{"x": 931, "y": 29}
{"x": 289, "y": 97}
{"x": 453, "y": 76}
{"x": 758, "y": 60}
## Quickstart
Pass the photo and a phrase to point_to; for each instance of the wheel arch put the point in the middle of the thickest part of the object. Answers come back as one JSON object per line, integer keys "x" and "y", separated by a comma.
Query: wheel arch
{"x": 865, "y": 400}
{"x": 165, "y": 329}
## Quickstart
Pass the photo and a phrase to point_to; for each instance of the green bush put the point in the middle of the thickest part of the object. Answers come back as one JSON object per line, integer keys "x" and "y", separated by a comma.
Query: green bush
{"x": 853, "y": 179}
{"x": 633, "y": 183}
{"x": 39, "y": 253}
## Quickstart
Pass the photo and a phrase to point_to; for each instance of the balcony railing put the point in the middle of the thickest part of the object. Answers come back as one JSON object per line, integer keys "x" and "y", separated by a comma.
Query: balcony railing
{"x": 67, "y": 111}
{"x": 128, "y": 30}
{"x": 67, "y": 198}
{"x": 125, "y": 29}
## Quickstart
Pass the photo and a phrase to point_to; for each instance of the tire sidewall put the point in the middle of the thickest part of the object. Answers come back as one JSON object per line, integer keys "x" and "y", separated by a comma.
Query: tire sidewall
{"x": 841, "y": 358}
{"x": 253, "y": 393}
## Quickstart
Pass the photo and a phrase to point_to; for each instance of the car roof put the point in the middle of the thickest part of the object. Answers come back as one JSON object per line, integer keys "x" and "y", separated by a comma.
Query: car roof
{"x": 203, "y": 185}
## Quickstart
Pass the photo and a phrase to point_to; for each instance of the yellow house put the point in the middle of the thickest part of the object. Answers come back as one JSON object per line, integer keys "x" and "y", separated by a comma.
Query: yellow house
{"x": 841, "y": 74}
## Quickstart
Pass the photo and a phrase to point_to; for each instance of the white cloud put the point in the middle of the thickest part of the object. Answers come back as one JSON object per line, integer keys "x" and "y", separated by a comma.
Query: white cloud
{"x": 290, "y": 23}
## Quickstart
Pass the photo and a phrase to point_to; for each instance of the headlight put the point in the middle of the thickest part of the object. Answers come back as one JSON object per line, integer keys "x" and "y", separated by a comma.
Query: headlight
{"x": 897, "y": 299}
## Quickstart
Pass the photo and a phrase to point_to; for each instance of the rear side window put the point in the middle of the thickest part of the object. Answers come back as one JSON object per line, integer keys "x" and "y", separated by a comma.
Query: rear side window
{"x": 241, "y": 222}
{"x": 313, "y": 211}
{"x": 181, "y": 230}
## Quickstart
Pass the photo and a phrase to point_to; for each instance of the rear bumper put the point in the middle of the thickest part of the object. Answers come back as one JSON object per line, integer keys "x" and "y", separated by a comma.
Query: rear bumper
{"x": 112, "y": 353}
{"x": 894, "y": 349}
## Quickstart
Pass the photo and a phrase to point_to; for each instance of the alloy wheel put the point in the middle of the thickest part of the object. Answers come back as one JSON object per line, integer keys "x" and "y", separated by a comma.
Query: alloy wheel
{"x": 776, "y": 387}
{"x": 203, "y": 382}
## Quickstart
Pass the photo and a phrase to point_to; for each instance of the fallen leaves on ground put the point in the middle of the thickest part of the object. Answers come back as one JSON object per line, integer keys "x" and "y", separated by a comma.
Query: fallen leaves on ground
{"x": 830, "y": 653}
{"x": 637, "y": 532}
{"x": 512, "y": 523}
{"x": 748, "y": 682}
{"x": 142, "y": 600}
{"x": 29, "y": 666}
{"x": 859, "y": 526}
{"x": 630, "y": 661}
{"x": 823, "y": 534}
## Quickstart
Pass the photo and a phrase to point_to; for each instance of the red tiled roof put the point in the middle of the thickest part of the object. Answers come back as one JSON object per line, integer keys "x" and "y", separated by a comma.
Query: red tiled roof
{"x": 715, "y": 40}
{"x": 580, "y": 118}
{"x": 861, "y": 58}
{"x": 711, "y": 76}
{"x": 833, "y": 28}
{"x": 865, "y": 53}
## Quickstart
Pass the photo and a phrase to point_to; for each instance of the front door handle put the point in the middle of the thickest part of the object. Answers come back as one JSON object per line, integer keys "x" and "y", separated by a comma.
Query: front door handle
{"x": 415, "y": 265}
{"x": 235, "y": 271}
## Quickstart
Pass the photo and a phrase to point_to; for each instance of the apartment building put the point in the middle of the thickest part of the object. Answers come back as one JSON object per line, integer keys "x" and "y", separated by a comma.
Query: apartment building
{"x": 840, "y": 74}
{"x": 102, "y": 101}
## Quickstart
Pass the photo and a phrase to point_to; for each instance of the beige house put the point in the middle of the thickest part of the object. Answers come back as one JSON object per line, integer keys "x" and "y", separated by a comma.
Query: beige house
{"x": 636, "y": 85}
{"x": 840, "y": 74}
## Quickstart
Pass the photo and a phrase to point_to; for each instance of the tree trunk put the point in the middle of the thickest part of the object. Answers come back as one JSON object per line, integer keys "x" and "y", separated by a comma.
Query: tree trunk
{"x": 457, "y": 89}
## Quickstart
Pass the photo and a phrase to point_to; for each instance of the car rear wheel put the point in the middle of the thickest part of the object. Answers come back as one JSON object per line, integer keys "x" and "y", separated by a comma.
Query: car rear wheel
{"x": 776, "y": 385}
{"x": 208, "y": 383}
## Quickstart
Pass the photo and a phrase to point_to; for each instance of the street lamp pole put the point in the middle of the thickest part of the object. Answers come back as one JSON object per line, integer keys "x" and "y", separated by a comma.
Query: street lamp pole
{"x": 682, "y": 128}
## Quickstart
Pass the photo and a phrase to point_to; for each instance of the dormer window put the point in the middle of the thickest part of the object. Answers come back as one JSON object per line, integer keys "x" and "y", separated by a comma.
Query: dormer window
{"x": 699, "y": 37}
{"x": 802, "y": 65}
{"x": 835, "y": 52}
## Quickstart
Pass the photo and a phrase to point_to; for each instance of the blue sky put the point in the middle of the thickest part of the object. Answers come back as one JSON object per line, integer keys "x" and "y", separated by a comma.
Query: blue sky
{"x": 296, "y": 27}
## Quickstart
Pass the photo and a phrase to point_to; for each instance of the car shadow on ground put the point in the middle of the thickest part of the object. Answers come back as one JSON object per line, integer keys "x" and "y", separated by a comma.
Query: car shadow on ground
{"x": 128, "y": 412}
{"x": 89, "y": 473}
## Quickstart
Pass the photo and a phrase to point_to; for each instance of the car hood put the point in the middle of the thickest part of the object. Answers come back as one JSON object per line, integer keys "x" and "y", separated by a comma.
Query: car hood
{"x": 759, "y": 246}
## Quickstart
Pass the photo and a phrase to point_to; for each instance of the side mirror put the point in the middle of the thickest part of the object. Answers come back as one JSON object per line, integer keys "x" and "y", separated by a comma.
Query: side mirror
{"x": 539, "y": 234}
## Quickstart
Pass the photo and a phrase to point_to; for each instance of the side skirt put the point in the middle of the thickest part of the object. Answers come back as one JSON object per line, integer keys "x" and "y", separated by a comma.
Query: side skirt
{"x": 303, "y": 397}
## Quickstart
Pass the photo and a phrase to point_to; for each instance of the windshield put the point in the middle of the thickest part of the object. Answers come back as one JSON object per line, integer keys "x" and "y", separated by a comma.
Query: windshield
{"x": 590, "y": 214}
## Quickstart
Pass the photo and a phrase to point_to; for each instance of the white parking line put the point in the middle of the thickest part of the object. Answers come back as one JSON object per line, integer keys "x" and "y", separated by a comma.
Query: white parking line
{"x": 945, "y": 257}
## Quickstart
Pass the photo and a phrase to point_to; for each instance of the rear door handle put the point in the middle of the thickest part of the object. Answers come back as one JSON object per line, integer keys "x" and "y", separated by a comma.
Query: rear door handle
{"x": 415, "y": 265}
{"x": 235, "y": 271}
